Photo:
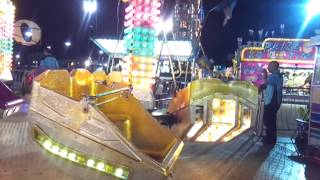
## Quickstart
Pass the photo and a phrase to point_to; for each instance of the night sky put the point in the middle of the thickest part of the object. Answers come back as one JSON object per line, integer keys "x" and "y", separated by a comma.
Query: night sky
{"x": 63, "y": 20}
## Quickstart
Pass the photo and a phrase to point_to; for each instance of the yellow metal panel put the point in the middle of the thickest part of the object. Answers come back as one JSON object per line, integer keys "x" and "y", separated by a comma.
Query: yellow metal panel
{"x": 180, "y": 101}
{"x": 123, "y": 122}
{"x": 147, "y": 134}
{"x": 205, "y": 87}
{"x": 81, "y": 82}
{"x": 245, "y": 90}
{"x": 97, "y": 77}
{"x": 199, "y": 91}
{"x": 115, "y": 76}
{"x": 58, "y": 81}
{"x": 137, "y": 125}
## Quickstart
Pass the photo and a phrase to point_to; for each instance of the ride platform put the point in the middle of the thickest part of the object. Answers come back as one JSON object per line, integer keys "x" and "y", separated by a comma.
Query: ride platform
{"x": 242, "y": 158}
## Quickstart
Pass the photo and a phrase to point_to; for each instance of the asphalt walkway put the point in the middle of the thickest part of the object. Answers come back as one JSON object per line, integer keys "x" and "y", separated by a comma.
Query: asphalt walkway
{"x": 244, "y": 158}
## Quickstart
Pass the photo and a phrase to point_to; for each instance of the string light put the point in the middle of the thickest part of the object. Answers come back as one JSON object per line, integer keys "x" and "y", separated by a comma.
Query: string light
{"x": 140, "y": 38}
{"x": 7, "y": 12}
{"x": 77, "y": 157}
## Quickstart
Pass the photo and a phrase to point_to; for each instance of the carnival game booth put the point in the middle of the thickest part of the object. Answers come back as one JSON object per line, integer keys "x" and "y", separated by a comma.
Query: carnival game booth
{"x": 296, "y": 58}
{"x": 95, "y": 122}
{"x": 210, "y": 110}
{"x": 9, "y": 102}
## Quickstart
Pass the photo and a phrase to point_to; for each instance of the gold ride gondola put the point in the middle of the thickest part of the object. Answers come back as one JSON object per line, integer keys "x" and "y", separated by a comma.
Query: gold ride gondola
{"x": 94, "y": 121}
{"x": 210, "y": 110}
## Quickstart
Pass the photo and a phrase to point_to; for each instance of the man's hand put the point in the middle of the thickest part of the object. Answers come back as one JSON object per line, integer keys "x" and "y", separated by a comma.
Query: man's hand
{"x": 262, "y": 87}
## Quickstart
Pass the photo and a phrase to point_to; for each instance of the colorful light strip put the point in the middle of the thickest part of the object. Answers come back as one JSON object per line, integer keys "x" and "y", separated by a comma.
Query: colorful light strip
{"x": 140, "y": 39}
{"x": 7, "y": 12}
{"x": 77, "y": 157}
{"x": 280, "y": 61}
{"x": 283, "y": 40}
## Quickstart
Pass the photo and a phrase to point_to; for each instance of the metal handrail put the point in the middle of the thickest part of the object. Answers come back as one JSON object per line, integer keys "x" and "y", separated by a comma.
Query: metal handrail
{"x": 89, "y": 99}
{"x": 111, "y": 92}
{"x": 165, "y": 99}
{"x": 107, "y": 101}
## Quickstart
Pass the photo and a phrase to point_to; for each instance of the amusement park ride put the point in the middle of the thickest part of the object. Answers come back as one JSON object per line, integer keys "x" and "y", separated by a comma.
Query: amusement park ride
{"x": 9, "y": 102}
{"x": 101, "y": 121}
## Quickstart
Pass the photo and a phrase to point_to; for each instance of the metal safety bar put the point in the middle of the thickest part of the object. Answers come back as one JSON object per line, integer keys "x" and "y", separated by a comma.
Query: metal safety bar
{"x": 258, "y": 127}
{"x": 91, "y": 99}
{"x": 164, "y": 99}
{"x": 109, "y": 100}
{"x": 111, "y": 92}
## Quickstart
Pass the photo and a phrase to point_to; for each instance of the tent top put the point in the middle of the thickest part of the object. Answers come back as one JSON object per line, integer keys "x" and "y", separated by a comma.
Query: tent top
{"x": 117, "y": 49}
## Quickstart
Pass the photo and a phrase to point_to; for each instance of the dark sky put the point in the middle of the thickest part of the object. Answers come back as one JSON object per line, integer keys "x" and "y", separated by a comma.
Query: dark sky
{"x": 63, "y": 20}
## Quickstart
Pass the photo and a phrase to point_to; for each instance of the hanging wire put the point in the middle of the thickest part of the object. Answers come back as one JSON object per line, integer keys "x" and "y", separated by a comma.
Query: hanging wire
{"x": 170, "y": 61}
{"x": 118, "y": 18}
{"x": 177, "y": 57}
{"x": 119, "y": 35}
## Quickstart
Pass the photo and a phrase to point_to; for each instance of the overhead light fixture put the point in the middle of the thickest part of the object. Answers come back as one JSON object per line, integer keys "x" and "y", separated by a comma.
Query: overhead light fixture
{"x": 90, "y": 6}
{"x": 313, "y": 8}
{"x": 28, "y": 34}
{"x": 165, "y": 25}
{"x": 67, "y": 44}
{"x": 87, "y": 63}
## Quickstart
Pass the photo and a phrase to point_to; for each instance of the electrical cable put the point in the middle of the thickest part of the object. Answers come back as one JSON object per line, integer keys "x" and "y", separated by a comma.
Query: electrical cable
{"x": 203, "y": 25}
{"x": 198, "y": 39}
{"x": 118, "y": 18}
{"x": 119, "y": 36}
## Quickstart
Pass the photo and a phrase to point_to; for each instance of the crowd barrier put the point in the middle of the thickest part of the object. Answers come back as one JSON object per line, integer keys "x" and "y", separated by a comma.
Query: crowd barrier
{"x": 17, "y": 84}
{"x": 287, "y": 116}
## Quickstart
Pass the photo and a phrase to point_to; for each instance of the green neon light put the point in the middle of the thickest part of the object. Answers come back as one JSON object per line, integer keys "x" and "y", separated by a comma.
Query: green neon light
{"x": 80, "y": 158}
{"x": 140, "y": 41}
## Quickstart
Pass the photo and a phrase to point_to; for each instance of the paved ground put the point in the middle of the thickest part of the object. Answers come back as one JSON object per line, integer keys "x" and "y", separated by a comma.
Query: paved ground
{"x": 244, "y": 158}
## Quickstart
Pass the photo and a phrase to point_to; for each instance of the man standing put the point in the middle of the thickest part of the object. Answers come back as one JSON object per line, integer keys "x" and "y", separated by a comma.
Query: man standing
{"x": 272, "y": 102}
{"x": 49, "y": 61}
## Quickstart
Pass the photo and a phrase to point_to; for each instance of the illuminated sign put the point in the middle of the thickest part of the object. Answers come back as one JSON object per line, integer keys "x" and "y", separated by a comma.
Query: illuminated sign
{"x": 296, "y": 51}
{"x": 290, "y": 53}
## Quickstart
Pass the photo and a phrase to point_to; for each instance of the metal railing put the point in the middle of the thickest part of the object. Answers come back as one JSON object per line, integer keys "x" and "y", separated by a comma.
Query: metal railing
{"x": 17, "y": 84}
{"x": 287, "y": 115}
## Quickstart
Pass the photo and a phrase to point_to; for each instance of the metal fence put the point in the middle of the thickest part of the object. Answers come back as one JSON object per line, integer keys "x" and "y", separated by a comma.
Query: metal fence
{"x": 18, "y": 79}
{"x": 289, "y": 112}
{"x": 287, "y": 115}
